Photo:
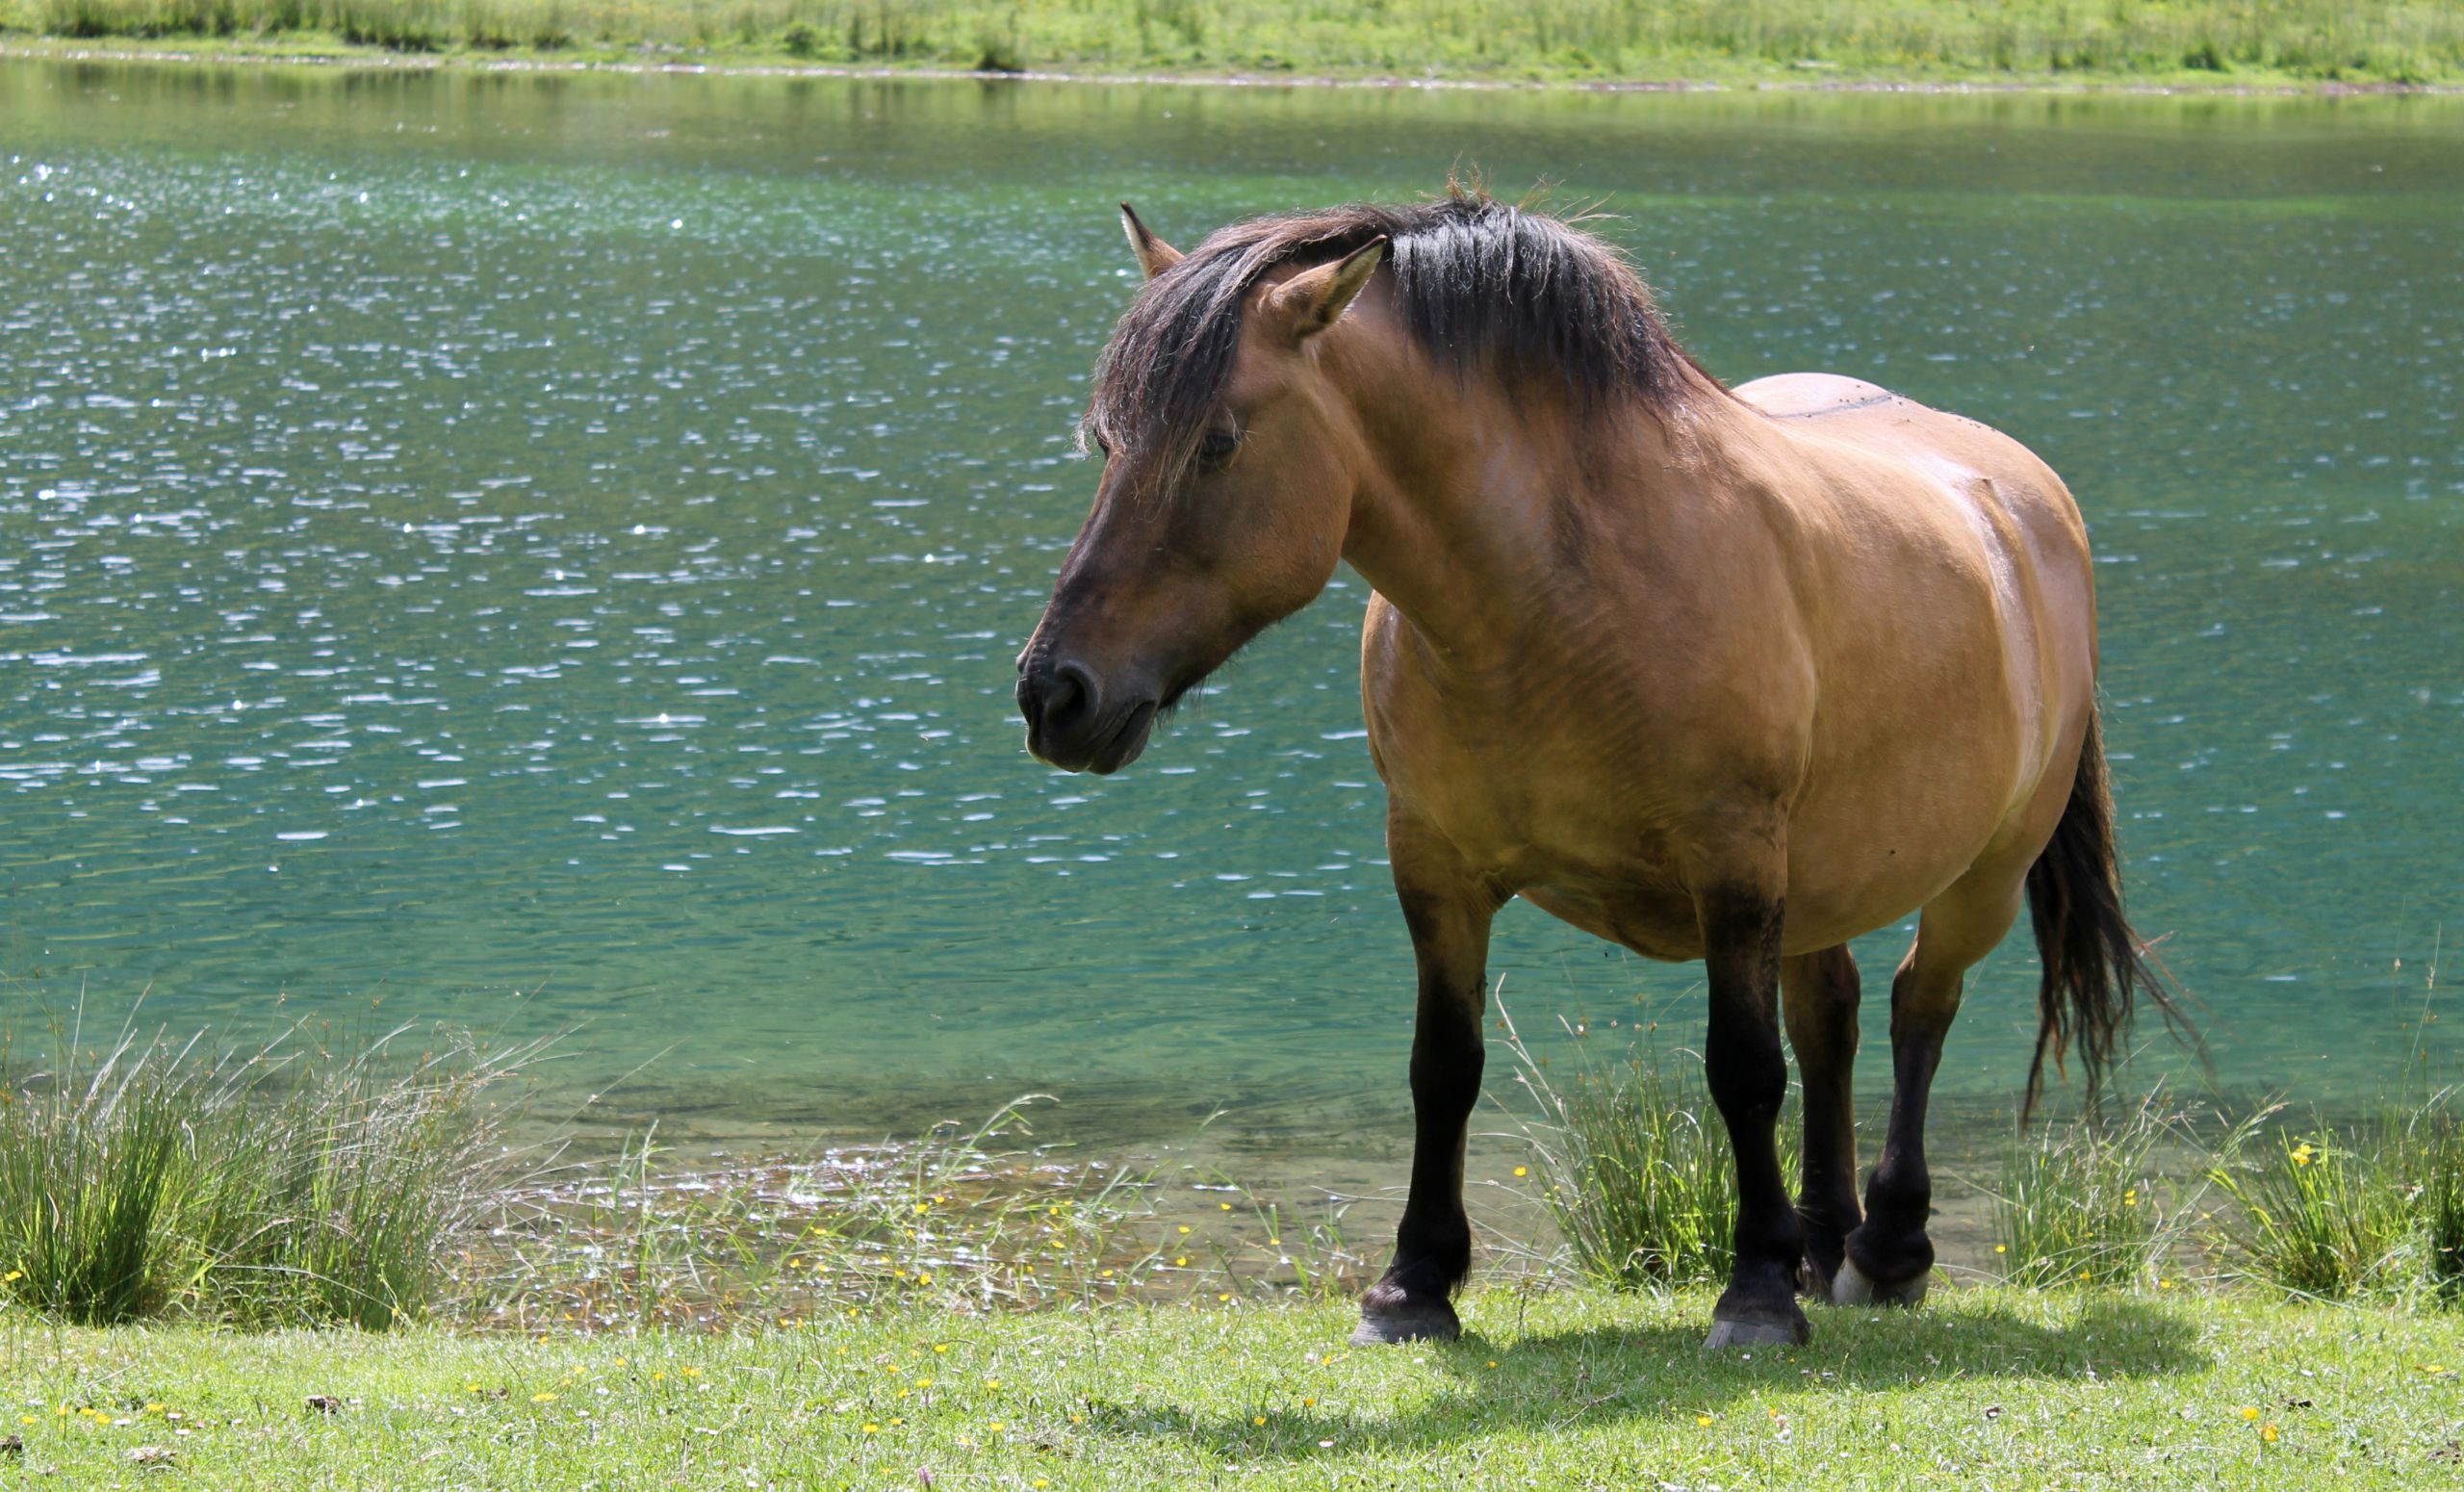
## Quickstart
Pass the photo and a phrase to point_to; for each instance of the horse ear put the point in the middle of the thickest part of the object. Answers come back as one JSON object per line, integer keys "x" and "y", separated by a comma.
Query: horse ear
{"x": 1154, "y": 255}
{"x": 1315, "y": 300}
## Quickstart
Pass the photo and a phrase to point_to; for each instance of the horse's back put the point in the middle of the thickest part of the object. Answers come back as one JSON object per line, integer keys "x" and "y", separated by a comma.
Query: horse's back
{"x": 1951, "y": 532}
{"x": 1827, "y": 413}
{"x": 1798, "y": 395}
{"x": 1885, "y": 460}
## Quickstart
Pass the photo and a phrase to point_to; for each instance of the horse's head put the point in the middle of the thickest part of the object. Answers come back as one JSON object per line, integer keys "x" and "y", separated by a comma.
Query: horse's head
{"x": 1228, "y": 469}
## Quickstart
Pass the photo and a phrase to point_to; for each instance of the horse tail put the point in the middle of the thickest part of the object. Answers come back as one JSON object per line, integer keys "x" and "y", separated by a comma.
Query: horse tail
{"x": 2095, "y": 965}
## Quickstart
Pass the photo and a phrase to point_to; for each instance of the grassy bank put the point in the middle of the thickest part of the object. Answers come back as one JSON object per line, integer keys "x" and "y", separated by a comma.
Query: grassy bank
{"x": 2001, "y": 1386}
{"x": 2212, "y": 43}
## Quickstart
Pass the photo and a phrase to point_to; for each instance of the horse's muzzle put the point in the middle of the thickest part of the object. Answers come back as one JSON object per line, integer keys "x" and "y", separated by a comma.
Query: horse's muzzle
{"x": 1075, "y": 724}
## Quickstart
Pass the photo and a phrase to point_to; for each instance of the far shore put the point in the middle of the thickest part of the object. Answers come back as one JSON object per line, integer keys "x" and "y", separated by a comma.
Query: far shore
{"x": 646, "y": 61}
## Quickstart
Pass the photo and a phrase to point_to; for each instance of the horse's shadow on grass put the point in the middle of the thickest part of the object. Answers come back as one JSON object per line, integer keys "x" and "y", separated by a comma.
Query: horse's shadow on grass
{"x": 1657, "y": 1371}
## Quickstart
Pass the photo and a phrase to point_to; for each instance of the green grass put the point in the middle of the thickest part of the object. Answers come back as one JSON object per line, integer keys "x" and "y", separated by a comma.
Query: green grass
{"x": 2441, "y": 1175}
{"x": 1634, "y": 1166}
{"x": 1806, "y": 41}
{"x": 2346, "y": 1211}
{"x": 1986, "y": 1386}
{"x": 288, "y": 1182}
{"x": 2083, "y": 1204}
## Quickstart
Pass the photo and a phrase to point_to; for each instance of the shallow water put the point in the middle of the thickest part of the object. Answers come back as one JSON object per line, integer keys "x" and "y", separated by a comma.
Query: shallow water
{"x": 547, "y": 551}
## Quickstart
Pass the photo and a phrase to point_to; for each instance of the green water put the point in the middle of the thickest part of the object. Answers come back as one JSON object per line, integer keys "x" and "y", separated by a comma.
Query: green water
{"x": 548, "y": 552}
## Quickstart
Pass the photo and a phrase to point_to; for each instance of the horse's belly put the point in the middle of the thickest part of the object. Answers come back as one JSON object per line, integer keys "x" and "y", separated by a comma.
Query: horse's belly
{"x": 1654, "y": 921}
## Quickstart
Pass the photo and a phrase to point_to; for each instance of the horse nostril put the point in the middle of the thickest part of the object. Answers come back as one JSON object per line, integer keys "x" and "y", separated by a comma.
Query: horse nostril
{"x": 1069, "y": 699}
{"x": 1057, "y": 699}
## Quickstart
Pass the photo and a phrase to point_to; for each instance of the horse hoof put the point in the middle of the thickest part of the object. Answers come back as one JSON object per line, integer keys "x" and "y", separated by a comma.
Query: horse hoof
{"x": 1853, "y": 1286}
{"x": 1729, "y": 1334}
{"x": 1430, "y": 1322}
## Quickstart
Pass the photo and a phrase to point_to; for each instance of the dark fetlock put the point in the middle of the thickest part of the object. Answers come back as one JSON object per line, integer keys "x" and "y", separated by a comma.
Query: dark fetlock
{"x": 1391, "y": 1314}
{"x": 1883, "y": 1271}
{"x": 1826, "y": 1248}
{"x": 1827, "y": 1243}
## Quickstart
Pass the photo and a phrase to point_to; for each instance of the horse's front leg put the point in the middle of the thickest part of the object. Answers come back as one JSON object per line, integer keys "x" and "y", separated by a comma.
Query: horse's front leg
{"x": 1448, "y": 911}
{"x": 1748, "y": 1077}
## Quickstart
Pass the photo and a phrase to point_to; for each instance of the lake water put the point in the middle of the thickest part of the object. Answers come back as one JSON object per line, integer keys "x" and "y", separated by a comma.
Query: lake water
{"x": 547, "y": 551}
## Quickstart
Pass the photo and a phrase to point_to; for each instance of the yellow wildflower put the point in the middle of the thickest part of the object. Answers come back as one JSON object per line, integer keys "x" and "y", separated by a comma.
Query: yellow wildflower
{"x": 2267, "y": 1432}
{"x": 2249, "y": 1411}
{"x": 543, "y": 1397}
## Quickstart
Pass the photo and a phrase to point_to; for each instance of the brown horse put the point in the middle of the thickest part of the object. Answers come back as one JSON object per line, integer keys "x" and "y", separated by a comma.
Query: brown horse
{"x": 1723, "y": 674}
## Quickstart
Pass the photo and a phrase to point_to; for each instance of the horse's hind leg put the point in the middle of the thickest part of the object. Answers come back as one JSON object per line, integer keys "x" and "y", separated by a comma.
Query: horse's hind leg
{"x": 1889, "y": 1258}
{"x": 1819, "y": 997}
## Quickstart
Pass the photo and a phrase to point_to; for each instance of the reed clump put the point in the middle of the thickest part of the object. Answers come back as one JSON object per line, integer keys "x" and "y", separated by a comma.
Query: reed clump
{"x": 1635, "y": 1169}
{"x": 2083, "y": 1203}
{"x": 2439, "y": 1171}
{"x": 2373, "y": 1209}
{"x": 289, "y": 1183}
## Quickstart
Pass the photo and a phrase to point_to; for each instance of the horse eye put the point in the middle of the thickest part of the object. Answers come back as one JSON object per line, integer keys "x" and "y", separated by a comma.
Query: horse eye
{"x": 1218, "y": 450}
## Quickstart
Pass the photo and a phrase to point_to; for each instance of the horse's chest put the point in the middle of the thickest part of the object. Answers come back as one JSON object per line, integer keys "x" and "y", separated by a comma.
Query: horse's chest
{"x": 1587, "y": 848}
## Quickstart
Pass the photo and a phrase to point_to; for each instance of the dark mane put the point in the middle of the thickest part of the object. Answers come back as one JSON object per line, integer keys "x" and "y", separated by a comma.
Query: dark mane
{"x": 1479, "y": 283}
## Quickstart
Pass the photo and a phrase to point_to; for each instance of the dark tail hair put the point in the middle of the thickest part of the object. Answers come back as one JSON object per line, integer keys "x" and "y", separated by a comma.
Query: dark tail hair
{"x": 2095, "y": 965}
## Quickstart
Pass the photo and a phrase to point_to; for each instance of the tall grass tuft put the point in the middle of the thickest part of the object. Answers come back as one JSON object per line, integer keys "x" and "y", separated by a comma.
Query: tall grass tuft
{"x": 290, "y": 1183}
{"x": 2331, "y": 1211}
{"x": 2439, "y": 1158}
{"x": 2079, "y": 1205}
{"x": 1638, "y": 1174}
{"x": 91, "y": 1169}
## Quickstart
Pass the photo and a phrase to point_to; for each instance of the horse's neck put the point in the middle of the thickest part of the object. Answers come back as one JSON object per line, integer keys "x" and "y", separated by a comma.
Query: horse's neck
{"x": 1480, "y": 509}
